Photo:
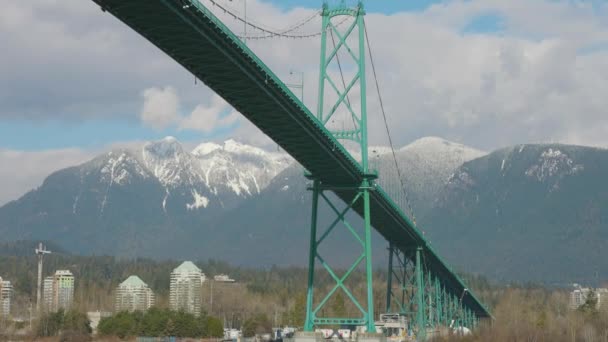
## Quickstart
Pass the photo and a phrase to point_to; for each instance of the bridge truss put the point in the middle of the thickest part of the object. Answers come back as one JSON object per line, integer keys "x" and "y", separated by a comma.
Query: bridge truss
{"x": 420, "y": 284}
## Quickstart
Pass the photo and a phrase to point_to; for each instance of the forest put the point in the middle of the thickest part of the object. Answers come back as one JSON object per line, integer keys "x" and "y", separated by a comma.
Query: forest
{"x": 275, "y": 296}
{"x": 278, "y": 292}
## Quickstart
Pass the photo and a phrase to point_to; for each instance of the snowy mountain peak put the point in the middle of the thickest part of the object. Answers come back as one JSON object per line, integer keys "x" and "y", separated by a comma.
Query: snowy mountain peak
{"x": 430, "y": 140}
{"x": 244, "y": 169}
{"x": 119, "y": 167}
{"x": 168, "y": 161}
{"x": 211, "y": 176}
{"x": 206, "y": 148}
{"x": 233, "y": 146}
{"x": 167, "y": 147}
{"x": 436, "y": 144}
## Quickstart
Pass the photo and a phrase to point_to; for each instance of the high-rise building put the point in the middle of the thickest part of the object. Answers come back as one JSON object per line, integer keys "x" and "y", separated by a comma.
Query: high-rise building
{"x": 58, "y": 291}
{"x": 133, "y": 295}
{"x": 6, "y": 292}
{"x": 47, "y": 293}
{"x": 186, "y": 288}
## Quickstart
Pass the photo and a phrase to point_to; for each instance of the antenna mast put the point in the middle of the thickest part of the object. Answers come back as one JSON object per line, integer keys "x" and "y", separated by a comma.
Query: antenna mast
{"x": 40, "y": 252}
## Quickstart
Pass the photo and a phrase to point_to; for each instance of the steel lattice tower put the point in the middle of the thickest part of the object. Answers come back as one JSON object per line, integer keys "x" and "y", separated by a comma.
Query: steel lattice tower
{"x": 357, "y": 134}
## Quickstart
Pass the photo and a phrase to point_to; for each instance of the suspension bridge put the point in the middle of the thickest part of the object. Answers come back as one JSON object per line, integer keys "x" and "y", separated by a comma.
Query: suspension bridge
{"x": 420, "y": 285}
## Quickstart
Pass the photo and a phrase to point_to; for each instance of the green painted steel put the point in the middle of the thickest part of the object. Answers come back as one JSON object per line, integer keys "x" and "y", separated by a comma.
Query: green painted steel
{"x": 357, "y": 134}
{"x": 368, "y": 264}
{"x": 438, "y": 306}
{"x": 190, "y": 34}
{"x": 389, "y": 279}
{"x": 429, "y": 304}
{"x": 308, "y": 324}
{"x": 401, "y": 274}
{"x": 420, "y": 303}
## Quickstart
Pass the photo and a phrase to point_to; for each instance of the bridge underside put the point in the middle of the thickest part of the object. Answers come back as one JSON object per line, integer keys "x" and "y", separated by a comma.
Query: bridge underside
{"x": 201, "y": 43}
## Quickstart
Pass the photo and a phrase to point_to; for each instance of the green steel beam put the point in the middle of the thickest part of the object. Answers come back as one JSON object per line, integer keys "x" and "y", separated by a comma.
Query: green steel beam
{"x": 420, "y": 317}
{"x": 323, "y": 69}
{"x": 312, "y": 311}
{"x": 371, "y": 327}
{"x": 430, "y": 299}
{"x": 389, "y": 280}
{"x": 438, "y": 306}
{"x": 398, "y": 275}
{"x": 308, "y": 324}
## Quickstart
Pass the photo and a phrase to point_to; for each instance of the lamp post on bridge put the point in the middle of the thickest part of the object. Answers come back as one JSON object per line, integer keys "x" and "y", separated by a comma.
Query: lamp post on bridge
{"x": 299, "y": 86}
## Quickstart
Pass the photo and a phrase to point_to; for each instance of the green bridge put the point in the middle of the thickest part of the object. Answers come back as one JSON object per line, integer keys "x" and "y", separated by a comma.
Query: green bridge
{"x": 421, "y": 285}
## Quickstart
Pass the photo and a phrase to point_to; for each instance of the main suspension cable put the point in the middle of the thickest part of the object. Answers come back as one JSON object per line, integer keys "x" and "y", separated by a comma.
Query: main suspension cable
{"x": 282, "y": 35}
{"x": 390, "y": 139}
{"x": 270, "y": 33}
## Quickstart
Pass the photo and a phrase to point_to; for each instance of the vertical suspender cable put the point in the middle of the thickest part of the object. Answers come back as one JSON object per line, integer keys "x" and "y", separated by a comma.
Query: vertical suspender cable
{"x": 390, "y": 140}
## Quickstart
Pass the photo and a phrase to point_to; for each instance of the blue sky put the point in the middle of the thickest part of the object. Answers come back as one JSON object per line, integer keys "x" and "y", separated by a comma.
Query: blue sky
{"x": 27, "y": 135}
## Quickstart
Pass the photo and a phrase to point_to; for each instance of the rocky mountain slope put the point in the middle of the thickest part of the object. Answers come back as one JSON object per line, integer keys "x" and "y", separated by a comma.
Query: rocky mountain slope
{"x": 141, "y": 201}
{"x": 529, "y": 212}
{"x": 425, "y": 166}
{"x": 282, "y": 211}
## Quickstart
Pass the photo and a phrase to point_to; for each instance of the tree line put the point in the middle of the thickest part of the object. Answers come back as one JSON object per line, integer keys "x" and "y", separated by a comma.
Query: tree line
{"x": 160, "y": 322}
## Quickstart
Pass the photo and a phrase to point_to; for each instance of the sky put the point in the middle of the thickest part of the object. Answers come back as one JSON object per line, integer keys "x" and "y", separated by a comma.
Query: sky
{"x": 486, "y": 73}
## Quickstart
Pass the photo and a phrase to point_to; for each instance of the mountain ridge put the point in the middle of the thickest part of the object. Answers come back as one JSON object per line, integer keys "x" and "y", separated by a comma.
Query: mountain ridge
{"x": 528, "y": 209}
{"x": 248, "y": 206}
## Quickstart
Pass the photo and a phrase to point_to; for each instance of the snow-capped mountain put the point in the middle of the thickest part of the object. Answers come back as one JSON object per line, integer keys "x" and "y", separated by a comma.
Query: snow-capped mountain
{"x": 238, "y": 203}
{"x": 425, "y": 166}
{"x": 243, "y": 169}
{"x": 141, "y": 194}
{"x": 167, "y": 160}
{"x": 212, "y": 174}
{"x": 145, "y": 196}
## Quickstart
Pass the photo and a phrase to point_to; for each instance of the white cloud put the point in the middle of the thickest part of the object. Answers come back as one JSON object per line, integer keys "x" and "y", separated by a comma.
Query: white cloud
{"x": 208, "y": 118}
{"x": 542, "y": 78}
{"x": 535, "y": 81}
{"x": 161, "y": 107}
{"x": 527, "y": 83}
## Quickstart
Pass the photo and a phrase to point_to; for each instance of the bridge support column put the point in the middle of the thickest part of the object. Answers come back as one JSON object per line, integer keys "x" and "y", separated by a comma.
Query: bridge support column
{"x": 361, "y": 199}
{"x": 389, "y": 279}
{"x": 430, "y": 300}
{"x": 401, "y": 283}
{"x": 371, "y": 327}
{"x": 312, "y": 254}
{"x": 421, "y": 307}
{"x": 438, "y": 304}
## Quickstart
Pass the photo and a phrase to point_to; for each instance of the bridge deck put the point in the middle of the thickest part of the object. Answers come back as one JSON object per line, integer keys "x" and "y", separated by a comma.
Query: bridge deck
{"x": 200, "y": 42}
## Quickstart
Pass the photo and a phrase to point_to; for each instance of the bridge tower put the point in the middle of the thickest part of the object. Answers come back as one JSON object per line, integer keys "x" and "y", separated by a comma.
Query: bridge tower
{"x": 344, "y": 28}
